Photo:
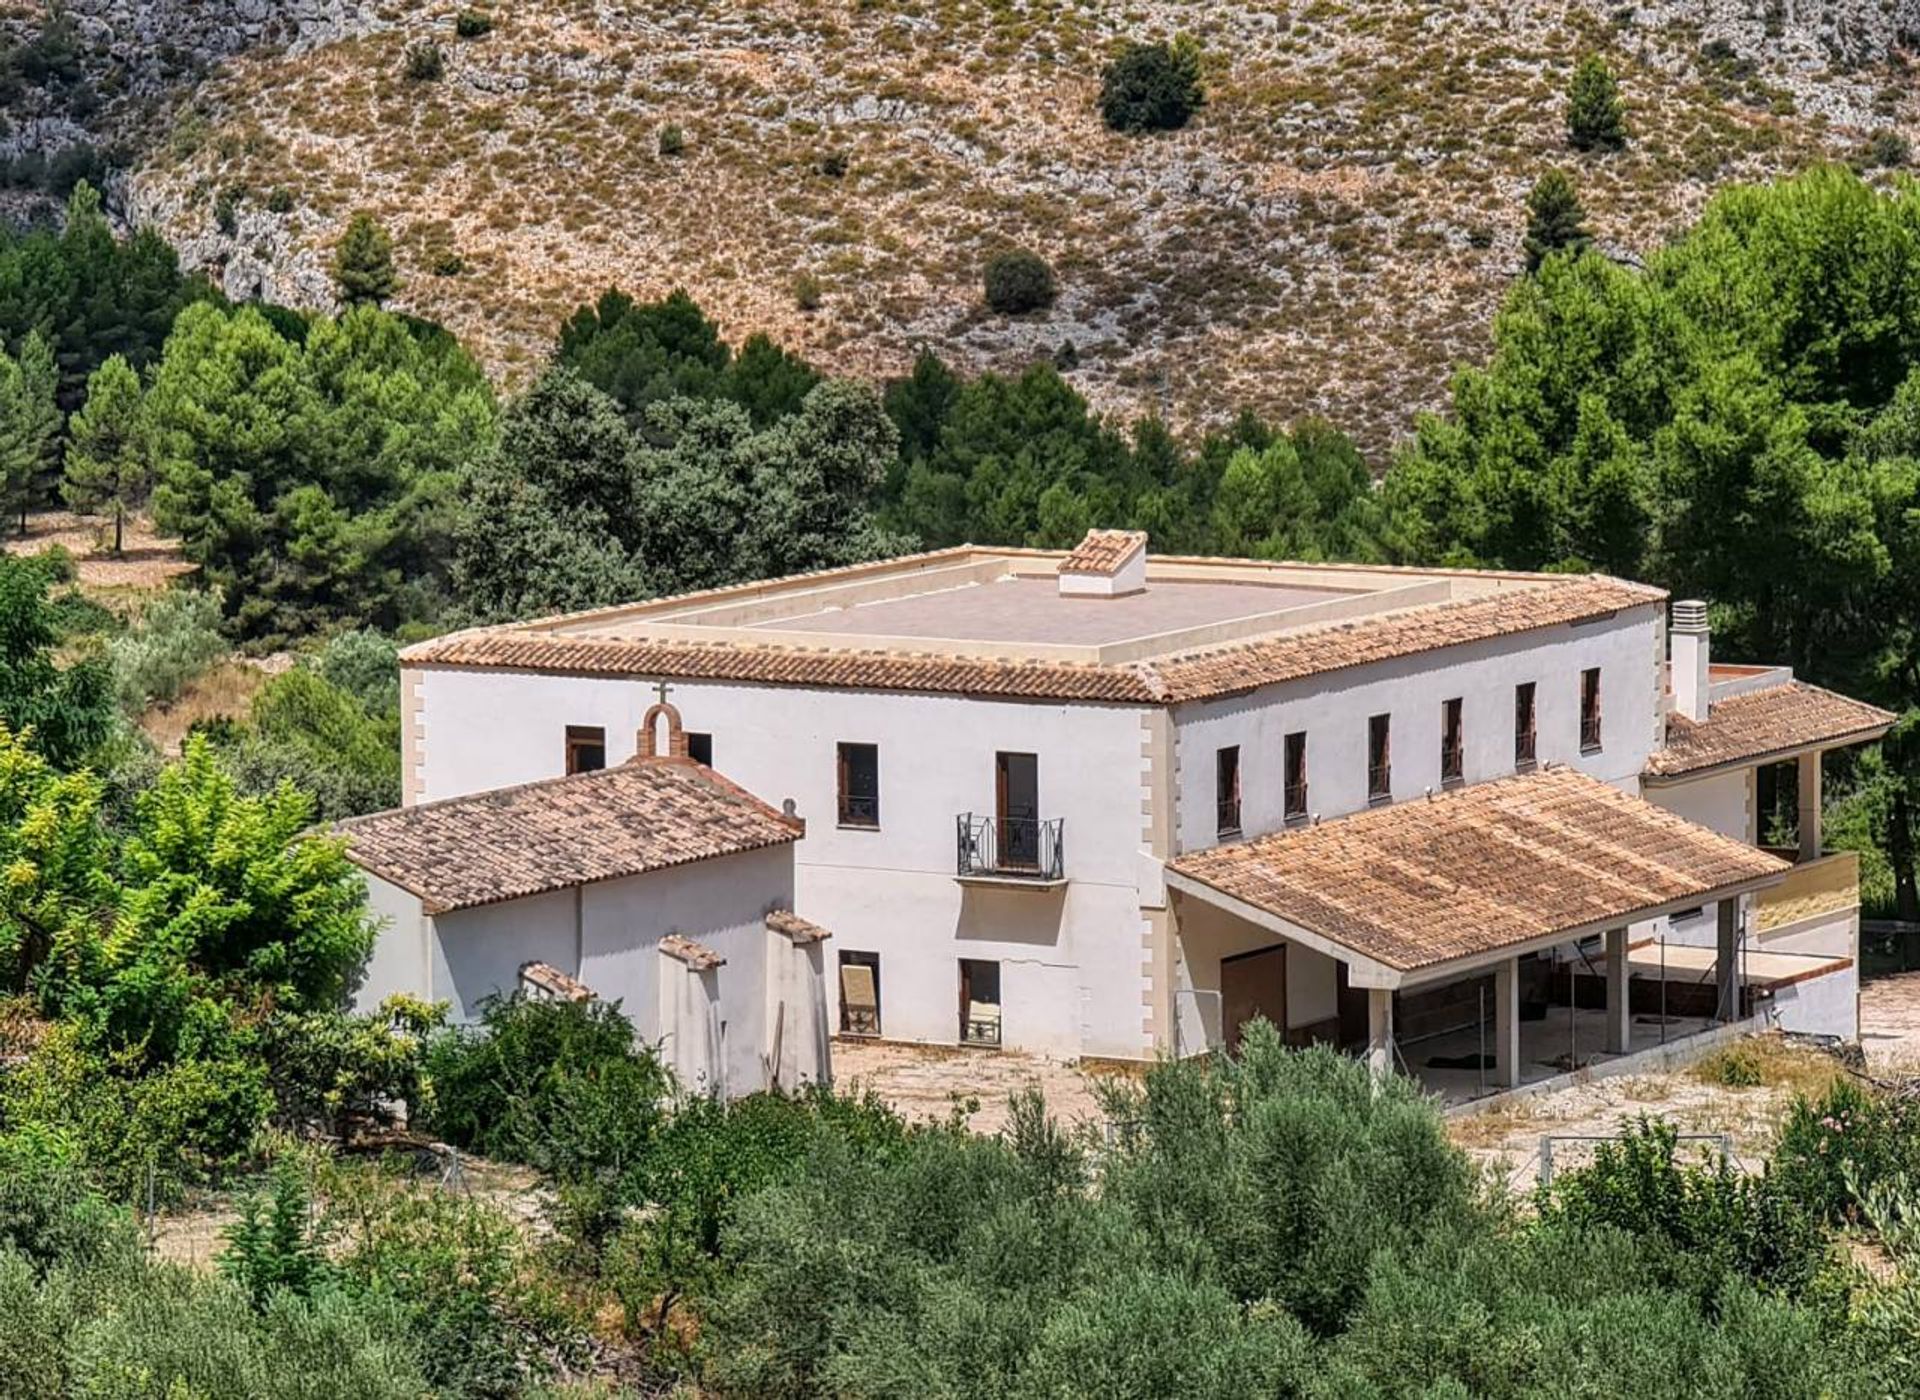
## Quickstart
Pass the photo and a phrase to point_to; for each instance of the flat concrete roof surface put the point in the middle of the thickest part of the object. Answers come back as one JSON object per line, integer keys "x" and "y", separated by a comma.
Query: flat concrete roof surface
{"x": 1034, "y": 610}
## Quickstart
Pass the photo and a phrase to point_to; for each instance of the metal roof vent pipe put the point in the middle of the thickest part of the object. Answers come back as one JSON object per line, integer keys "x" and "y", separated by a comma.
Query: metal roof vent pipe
{"x": 1689, "y": 651}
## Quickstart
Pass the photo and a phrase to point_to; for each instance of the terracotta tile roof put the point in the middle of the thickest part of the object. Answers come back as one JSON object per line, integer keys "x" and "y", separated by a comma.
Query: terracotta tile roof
{"x": 1484, "y": 867}
{"x": 1749, "y": 728}
{"x": 547, "y": 978}
{"x": 791, "y": 925}
{"x": 648, "y": 814}
{"x": 1103, "y": 551}
{"x": 1528, "y": 605}
{"x": 697, "y": 956}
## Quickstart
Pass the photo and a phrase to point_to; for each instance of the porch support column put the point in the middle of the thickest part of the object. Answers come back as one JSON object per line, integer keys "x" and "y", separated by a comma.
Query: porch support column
{"x": 1726, "y": 964}
{"x": 1380, "y": 1031}
{"x": 1810, "y": 767}
{"x": 1506, "y": 1023}
{"x": 1619, "y": 1012}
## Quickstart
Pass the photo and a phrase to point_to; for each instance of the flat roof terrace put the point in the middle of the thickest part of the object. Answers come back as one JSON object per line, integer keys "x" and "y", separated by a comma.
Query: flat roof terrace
{"x": 1011, "y": 606}
{"x": 1016, "y": 609}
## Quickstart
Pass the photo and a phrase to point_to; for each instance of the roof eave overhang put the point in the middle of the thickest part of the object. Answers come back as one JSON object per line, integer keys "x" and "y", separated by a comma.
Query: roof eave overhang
{"x": 1781, "y": 755}
{"x": 1364, "y": 970}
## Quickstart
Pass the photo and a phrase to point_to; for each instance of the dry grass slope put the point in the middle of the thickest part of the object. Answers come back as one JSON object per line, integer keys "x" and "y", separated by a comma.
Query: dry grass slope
{"x": 1332, "y": 233}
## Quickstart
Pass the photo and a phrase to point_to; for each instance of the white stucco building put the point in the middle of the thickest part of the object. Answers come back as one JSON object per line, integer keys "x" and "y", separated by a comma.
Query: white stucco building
{"x": 656, "y": 883}
{"x": 1110, "y": 804}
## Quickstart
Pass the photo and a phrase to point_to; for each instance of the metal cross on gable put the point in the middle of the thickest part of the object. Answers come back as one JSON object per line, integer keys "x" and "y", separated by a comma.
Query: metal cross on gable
{"x": 661, "y": 689}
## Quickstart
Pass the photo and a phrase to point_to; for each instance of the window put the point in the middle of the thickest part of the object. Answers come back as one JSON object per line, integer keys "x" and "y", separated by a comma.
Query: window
{"x": 1525, "y": 743}
{"x": 1590, "y": 709}
{"x": 1226, "y": 790}
{"x": 1379, "y": 759}
{"x": 979, "y": 1002}
{"x": 700, "y": 748}
{"x": 1453, "y": 746}
{"x": 1296, "y": 777}
{"x": 859, "y": 993}
{"x": 859, "y": 785}
{"x": 586, "y": 748}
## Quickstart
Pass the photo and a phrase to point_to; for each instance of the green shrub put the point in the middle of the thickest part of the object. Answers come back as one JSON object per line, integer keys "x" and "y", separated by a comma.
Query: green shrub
{"x": 1596, "y": 117}
{"x": 280, "y": 201}
{"x": 1887, "y": 149}
{"x": 1018, "y": 281}
{"x": 49, "y": 1208}
{"x": 1152, "y": 87}
{"x": 1849, "y": 1131}
{"x": 1703, "y": 1224}
{"x": 673, "y": 141}
{"x": 426, "y": 62}
{"x": 273, "y": 1246}
{"x": 807, "y": 292}
{"x": 307, "y": 731}
{"x": 331, "y": 1069}
{"x": 366, "y": 665}
{"x": 471, "y": 24}
{"x": 176, "y": 639}
{"x": 559, "y": 1085}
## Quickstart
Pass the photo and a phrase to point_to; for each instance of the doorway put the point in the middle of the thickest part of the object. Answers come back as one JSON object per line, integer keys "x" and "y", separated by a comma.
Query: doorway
{"x": 1016, "y": 786}
{"x": 1251, "y": 985}
{"x": 979, "y": 1002}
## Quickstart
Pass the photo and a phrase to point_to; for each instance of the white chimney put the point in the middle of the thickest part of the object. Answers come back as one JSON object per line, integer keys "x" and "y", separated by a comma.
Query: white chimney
{"x": 1106, "y": 564}
{"x": 1688, "y": 648}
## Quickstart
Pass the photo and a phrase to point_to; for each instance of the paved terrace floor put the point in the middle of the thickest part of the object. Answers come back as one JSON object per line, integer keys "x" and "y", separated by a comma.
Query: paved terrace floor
{"x": 1033, "y": 610}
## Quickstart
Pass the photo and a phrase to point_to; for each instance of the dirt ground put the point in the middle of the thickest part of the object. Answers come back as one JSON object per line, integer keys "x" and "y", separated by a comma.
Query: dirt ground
{"x": 146, "y": 560}
{"x": 928, "y": 1082}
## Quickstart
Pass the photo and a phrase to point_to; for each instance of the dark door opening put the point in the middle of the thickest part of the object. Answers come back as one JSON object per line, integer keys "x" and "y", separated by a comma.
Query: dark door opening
{"x": 1251, "y": 985}
{"x": 1016, "y": 782}
{"x": 859, "y": 993}
{"x": 979, "y": 1002}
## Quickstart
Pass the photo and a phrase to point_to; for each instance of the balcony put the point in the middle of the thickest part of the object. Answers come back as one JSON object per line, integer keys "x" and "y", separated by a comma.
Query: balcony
{"x": 1814, "y": 892}
{"x": 1015, "y": 852}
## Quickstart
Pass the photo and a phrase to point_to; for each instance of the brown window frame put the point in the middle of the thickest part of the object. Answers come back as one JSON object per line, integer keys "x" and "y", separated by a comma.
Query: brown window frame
{"x": 1453, "y": 741}
{"x": 1590, "y": 735}
{"x": 1226, "y": 790}
{"x": 850, "y": 804}
{"x": 1526, "y": 725}
{"x": 1294, "y": 776}
{"x": 1380, "y": 758}
{"x": 582, "y": 739}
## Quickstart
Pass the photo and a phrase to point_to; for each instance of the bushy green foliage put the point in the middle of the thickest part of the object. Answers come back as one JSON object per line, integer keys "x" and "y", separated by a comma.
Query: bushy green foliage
{"x": 574, "y": 511}
{"x": 29, "y": 421}
{"x": 273, "y": 1247}
{"x": 309, "y": 477}
{"x": 66, "y": 710}
{"x": 1596, "y": 117}
{"x": 472, "y": 24}
{"x": 1832, "y": 1149}
{"x": 322, "y": 739}
{"x": 426, "y": 62}
{"x": 109, "y": 462}
{"x": 1018, "y": 281}
{"x": 1152, "y": 87}
{"x": 49, "y": 1209}
{"x": 175, "y": 639}
{"x": 560, "y": 1085}
{"x": 366, "y": 665}
{"x": 1702, "y": 1224}
{"x": 330, "y": 1069}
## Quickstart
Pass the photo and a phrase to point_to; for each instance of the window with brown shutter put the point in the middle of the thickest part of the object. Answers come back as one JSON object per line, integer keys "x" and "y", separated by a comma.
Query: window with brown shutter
{"x": 1525, "y": 730}
{"x": 1453, "y": 744}
{"x": 1295, "y": 777}
{"x": 1379, "y": 759}
{"x": 586, "y": 748}
{"x": 1590, "y": 710}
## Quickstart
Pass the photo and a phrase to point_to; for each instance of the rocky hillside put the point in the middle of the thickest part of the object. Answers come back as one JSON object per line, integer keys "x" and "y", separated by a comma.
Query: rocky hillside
{"x": 1331, "y": 233}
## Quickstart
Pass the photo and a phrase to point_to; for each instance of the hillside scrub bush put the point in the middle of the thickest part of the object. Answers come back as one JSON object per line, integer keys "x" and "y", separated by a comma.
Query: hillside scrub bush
{"x": 176, "y": 639}
{"x": 1018, "y": 281}
{"x": 50, "y": 1209}
{"x": 305, "y": 730}
{"x": 1555, "y": 221}
{"x": 426, "y": 62}
{"x": 472, "y": 24}
{"x": 1152, "y": 87}
{"x": 365, "y": 664}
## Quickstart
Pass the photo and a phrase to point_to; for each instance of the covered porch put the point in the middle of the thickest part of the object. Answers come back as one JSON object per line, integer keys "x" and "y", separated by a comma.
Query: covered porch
{"x": 1481, "y": 939}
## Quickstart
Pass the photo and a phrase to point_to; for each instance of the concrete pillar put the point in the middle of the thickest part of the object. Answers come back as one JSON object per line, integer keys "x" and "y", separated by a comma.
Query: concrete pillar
{"x": 1380, "y": 1031}
{"x": 1619, "y": 1010}
{"x": 1810, "y": 806}
{"x": 1506, "y": 1023}
{"x": 1726, "y": 967}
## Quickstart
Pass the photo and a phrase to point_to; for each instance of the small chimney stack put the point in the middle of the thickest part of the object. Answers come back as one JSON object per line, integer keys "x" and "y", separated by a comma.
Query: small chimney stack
{"x": 1688, "y": 650}
{"x": 1106, "y": 564}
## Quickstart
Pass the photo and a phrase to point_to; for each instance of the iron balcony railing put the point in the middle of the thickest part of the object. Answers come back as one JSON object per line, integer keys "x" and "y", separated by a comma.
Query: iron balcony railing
{"x": 1020, "y": 848}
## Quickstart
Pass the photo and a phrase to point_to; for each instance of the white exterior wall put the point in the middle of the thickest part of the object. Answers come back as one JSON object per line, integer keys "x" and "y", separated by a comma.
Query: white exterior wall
{"x": 1722, "y": 802}
{"x": 1824, "y": 1005}
{"x": 1333, "y": 709}
{"x": 1072, "y": 978}
{"x": 607, "y": 935}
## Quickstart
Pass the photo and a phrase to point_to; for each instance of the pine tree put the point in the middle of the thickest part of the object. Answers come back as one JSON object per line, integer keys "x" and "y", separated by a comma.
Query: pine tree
{"x": 108, "y": 464}
{"x": 29, "y": 421}
{"x": 1555, "y": 220}
{"x": 363, "y": 264}
{"x": 1596, "y": 117}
